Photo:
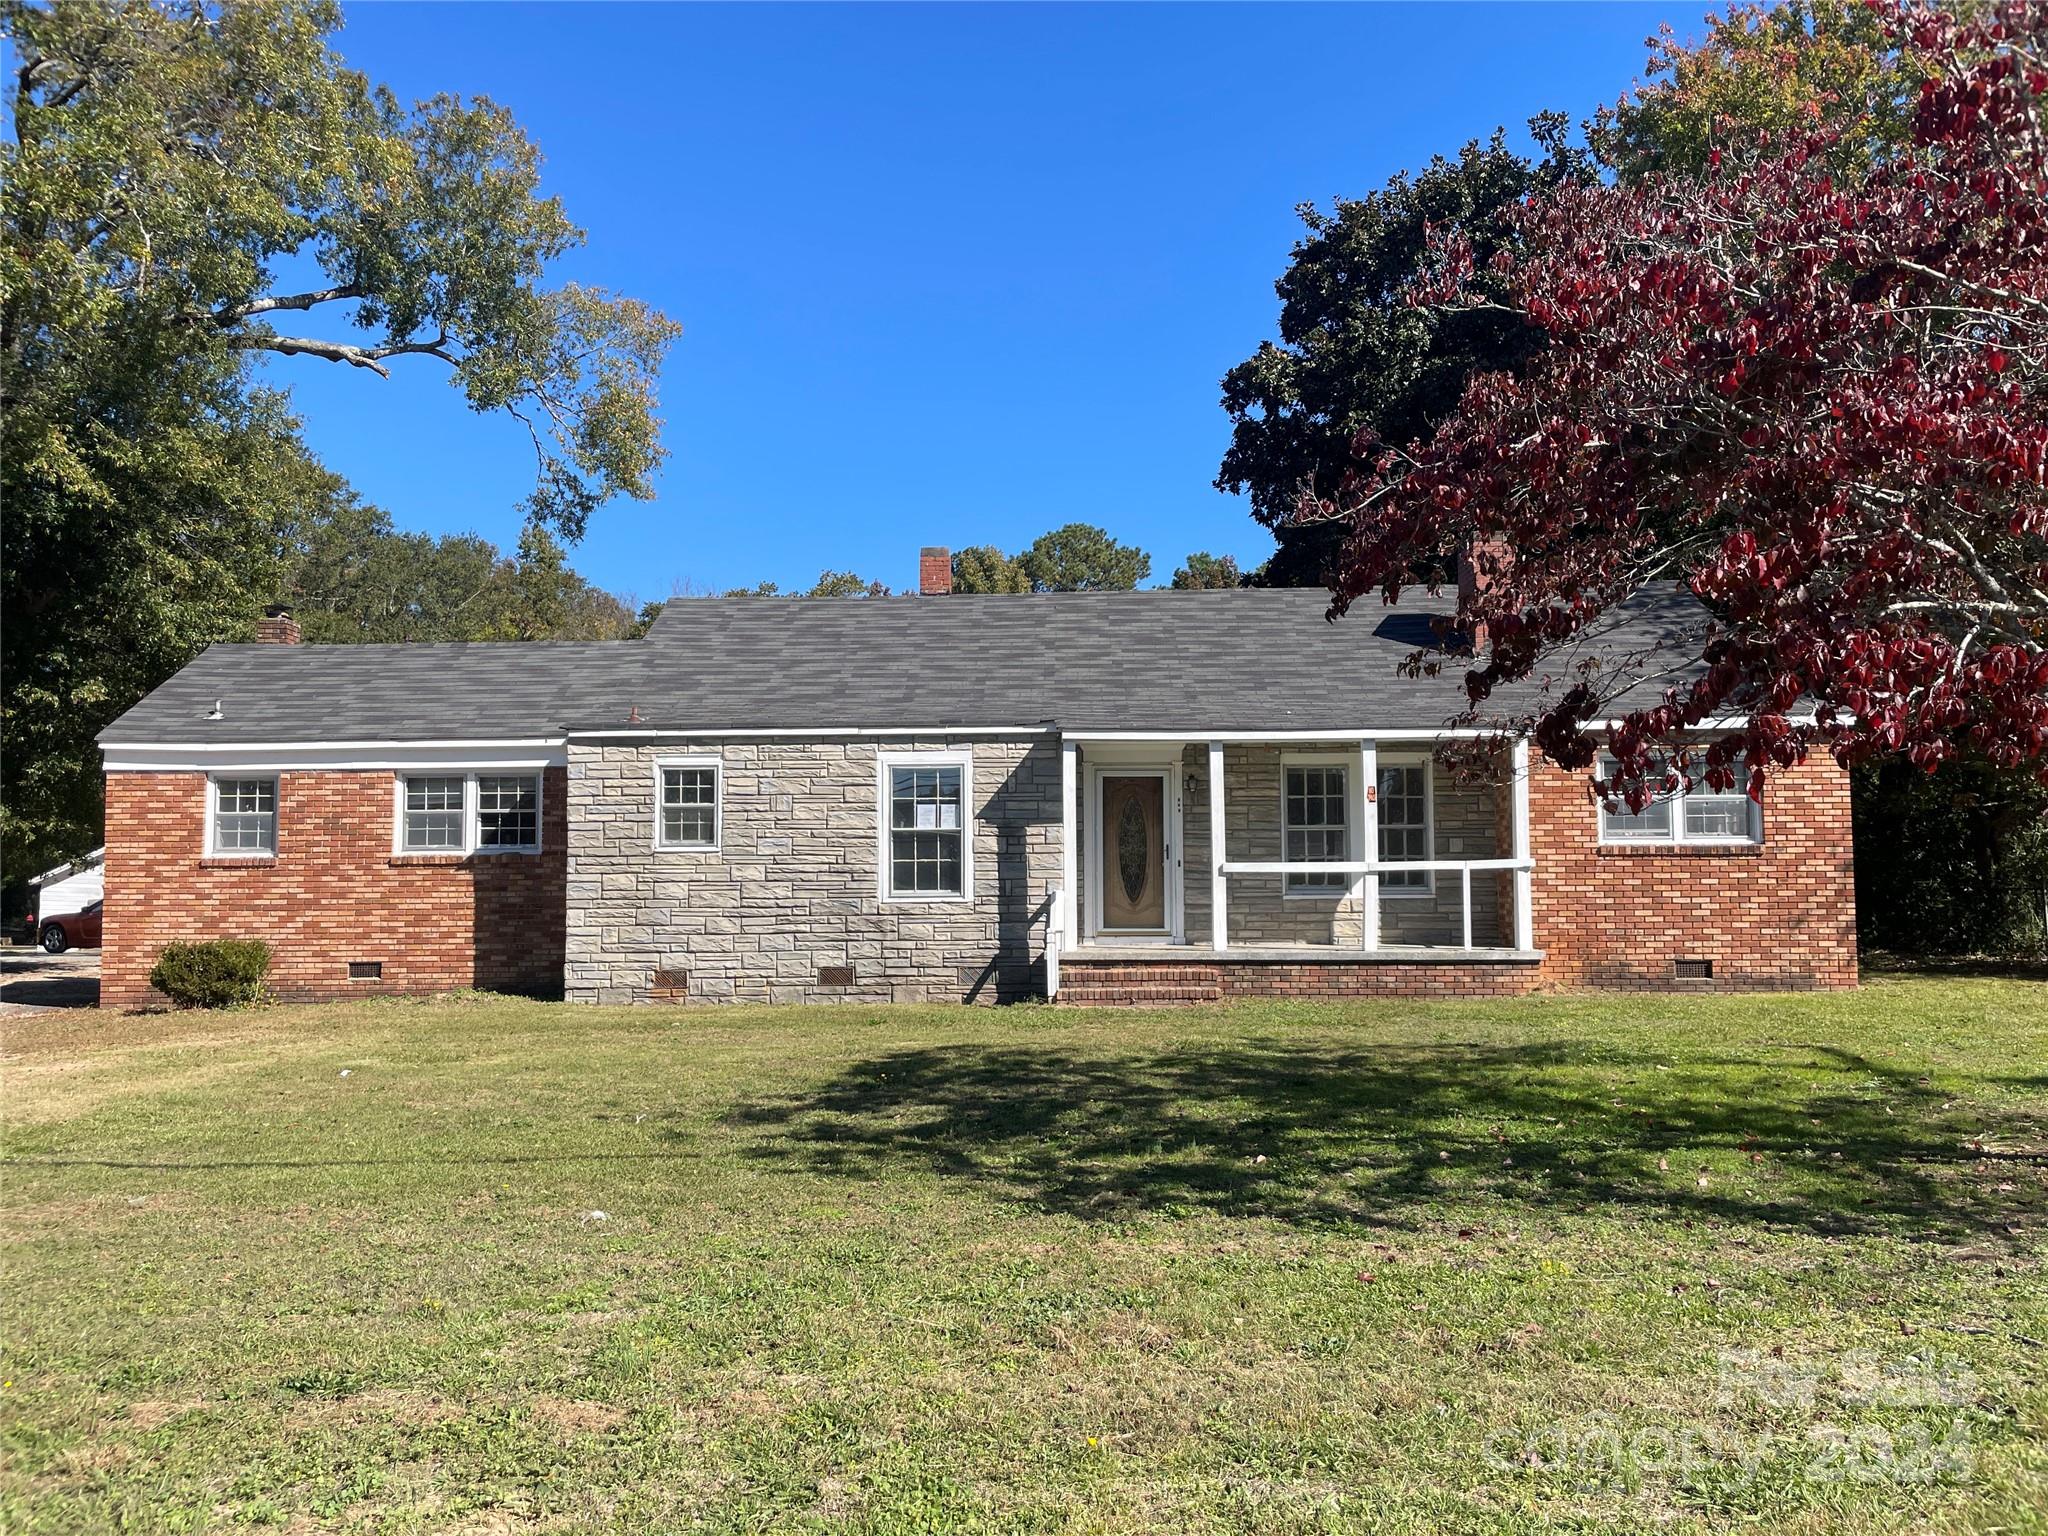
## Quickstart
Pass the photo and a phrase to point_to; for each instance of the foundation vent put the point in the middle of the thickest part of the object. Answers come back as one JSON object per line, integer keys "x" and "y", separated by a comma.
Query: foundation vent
{"x": 835, "y": 975}
{"x": 366, "y": 970}
{"x": 1692, "y": 970}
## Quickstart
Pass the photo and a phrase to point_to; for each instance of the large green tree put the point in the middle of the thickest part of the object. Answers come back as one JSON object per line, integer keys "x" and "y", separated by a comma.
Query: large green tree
{"x": 1761, "y": 72}
{"x": 982, "y": 568}
{"x": 355, "y": 578}
{"x": 1355, "y": 354}
{"x": 124, "y": 558}
{"x": 1204, "y": 570}
{"x": 169, "y": 164}
{"x": 1081, "y": 557}
{"x": 828, "y": 584}
{"x": 846, "y": 584}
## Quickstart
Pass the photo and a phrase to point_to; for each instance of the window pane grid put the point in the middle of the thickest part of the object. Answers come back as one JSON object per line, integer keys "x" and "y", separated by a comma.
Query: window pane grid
{"x": 1695, "y": 814}
{"x": 1722, "y": 816}
{"x": 1652, "y": 821}
{"x": 1404, "y": 824}
{"x": 245, "y": 815}
{"x": 433, "y": 814}
{"x": 1316, "y": 830}
{"x": 508, "y": 812}
{"x": 927, "y": 815}
{"x": 689, "y": 800}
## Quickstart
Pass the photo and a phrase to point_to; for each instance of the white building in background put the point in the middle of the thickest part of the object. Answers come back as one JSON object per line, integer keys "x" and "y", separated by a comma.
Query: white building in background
{"x": 70, "y": 887}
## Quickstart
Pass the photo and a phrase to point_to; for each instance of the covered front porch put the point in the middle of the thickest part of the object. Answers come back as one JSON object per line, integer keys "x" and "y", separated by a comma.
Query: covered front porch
{"x": 1289, "y": 864}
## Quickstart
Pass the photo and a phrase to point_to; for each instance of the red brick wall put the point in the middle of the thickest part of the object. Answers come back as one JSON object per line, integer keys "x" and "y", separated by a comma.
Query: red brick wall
{"x": 1502, "y": 979}
{"x": 1776, "y": 916}
{"x": 1141, "y": 983}
{"x": 334, "y": 893}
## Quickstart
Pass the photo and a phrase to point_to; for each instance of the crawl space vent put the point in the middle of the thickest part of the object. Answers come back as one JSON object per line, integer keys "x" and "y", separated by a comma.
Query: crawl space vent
{"x": 1693, "y": 970}
{"x": 366, "y": 970}
{"x": 835, "y": 975}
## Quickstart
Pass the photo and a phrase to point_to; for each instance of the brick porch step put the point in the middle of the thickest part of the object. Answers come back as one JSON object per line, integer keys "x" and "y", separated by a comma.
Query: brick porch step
{"x": 1139, "y": 986}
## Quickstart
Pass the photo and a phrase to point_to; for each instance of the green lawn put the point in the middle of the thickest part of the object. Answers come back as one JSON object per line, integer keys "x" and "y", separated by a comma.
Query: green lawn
{"x": 1576, "y": 1264}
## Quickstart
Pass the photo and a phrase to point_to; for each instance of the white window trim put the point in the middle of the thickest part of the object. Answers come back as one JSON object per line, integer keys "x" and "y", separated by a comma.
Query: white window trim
{"x": 213, "y": 849}
{"x": 1678, "y": 836}
{"x": 717, "y": 767}
{"x": 1354, "y": 819}
{"x": 1427, "y": 763}
{"x": 885, "y": 764}
{"x": 469, "y": 848}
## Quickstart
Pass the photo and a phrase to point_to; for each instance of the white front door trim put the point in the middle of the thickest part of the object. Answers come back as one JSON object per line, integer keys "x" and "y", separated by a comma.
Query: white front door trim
{"x": 1168, "y": 771}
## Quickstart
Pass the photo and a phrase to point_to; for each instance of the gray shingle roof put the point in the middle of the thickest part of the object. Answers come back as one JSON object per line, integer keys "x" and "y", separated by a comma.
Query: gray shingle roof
{"x": 1240, "y": 659}
{"x": 307, "y": 693}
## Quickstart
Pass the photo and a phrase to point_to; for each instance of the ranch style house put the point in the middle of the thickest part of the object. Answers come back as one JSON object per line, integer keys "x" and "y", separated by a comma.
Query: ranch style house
{"x": 1109, "y": 797}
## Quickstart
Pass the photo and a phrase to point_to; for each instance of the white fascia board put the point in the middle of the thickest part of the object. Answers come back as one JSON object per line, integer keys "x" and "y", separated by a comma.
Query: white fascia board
{"x": 1719, "y": 723}
{"x": 1441, "y": 733}
{"x": 752, "y": 732}
{"x": 223, "y": 757}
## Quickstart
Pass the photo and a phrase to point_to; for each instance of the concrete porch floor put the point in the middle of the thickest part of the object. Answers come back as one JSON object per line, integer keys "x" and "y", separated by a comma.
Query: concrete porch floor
{"x": 1307, "y": 954}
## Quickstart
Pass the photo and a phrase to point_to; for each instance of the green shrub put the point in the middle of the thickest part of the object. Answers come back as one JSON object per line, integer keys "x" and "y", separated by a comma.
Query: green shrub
{"x": 213, "y": 974}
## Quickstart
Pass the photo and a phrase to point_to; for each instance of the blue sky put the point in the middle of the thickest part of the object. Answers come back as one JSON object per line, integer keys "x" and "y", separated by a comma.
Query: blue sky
{"x": 947, "y": 274}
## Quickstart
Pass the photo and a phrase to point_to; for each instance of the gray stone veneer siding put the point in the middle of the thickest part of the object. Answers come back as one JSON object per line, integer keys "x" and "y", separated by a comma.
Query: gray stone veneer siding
{"x": 793, "y": 888}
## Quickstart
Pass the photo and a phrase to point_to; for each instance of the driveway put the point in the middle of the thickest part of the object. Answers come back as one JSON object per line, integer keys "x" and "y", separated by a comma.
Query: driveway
{"x": 31, "y": 981}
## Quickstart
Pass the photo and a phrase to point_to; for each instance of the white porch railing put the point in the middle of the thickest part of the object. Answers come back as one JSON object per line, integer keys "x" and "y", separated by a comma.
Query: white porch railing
{"x": 1372, "y": 869}
{"x": 1064, "y": 911}
{"x": 1055, "y": 937}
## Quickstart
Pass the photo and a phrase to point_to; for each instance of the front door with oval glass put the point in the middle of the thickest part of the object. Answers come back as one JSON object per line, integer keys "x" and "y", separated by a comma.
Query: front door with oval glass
{"x": 1133, "y": 840}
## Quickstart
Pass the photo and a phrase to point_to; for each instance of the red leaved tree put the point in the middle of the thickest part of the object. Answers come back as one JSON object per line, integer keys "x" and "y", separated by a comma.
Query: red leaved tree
{"x": 1821, "y": 405}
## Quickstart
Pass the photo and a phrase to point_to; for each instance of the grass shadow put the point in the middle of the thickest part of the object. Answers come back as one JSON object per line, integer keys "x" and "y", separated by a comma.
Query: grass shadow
{"x": 1799, "y": 1137}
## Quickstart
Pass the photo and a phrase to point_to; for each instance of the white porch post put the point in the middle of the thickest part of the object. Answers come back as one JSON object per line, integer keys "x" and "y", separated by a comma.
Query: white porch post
{"x": 1219, "y": 883}
{"x": 1369, "y": 842}
{"x": 1070, "y": 852}
{"x": 1525, "y": 883}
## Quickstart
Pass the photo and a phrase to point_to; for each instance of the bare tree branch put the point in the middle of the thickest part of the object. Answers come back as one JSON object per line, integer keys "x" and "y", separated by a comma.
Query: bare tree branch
{"x": 371, "y": 358}
{"x": 238, "y": 312}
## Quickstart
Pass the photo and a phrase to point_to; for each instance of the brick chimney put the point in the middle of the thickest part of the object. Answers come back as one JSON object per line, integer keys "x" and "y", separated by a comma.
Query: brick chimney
{"x": 277, "y": 627}
{"x": 934, "y": 571}
{"x": 1478, "y": 562}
